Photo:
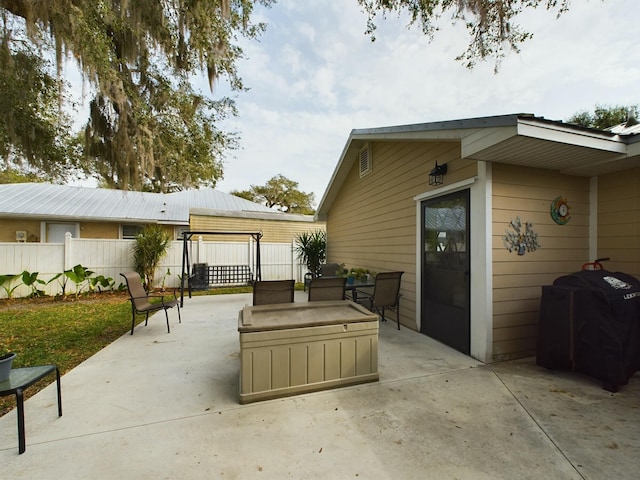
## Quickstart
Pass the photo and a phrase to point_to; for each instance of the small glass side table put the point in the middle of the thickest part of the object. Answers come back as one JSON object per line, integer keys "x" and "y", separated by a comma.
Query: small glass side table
{"x": 18, "y": 381}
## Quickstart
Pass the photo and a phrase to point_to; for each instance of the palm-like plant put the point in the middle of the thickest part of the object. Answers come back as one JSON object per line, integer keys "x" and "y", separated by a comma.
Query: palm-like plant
{"x": 311, "y": 248}
{"x": 150, "y": 247}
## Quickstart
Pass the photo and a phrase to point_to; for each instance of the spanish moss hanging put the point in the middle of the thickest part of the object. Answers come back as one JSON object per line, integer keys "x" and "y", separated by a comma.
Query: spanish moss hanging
{"x": 519, "y": 239}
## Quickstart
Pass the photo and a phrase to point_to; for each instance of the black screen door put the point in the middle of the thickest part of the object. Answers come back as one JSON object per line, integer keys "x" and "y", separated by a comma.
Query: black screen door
{"x": 445, "y": 270}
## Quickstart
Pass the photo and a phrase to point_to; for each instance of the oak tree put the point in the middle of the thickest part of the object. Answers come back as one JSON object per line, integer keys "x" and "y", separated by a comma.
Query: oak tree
{"x": 279, "y": 193}
{"x": 147, "y": 127}
{"x": 491, "y": 24}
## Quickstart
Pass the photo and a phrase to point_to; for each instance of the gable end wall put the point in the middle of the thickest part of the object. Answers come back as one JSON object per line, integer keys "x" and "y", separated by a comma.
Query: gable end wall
{"x": 372, "y": 222}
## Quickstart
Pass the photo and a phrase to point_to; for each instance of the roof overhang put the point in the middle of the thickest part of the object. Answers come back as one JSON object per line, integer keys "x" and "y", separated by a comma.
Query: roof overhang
{"x": 275, "y": 215}
{"x": 42, "y": 217}
{"x": 519, "y": 139}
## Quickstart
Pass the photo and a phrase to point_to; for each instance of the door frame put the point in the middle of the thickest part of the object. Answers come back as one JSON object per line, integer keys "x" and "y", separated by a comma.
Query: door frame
{"x": 452, "y": 325}
{"x": 480, "y": 250}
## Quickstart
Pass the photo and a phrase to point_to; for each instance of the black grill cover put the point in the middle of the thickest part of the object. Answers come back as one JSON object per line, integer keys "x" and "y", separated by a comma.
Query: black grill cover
{"x": 590, "y": 322}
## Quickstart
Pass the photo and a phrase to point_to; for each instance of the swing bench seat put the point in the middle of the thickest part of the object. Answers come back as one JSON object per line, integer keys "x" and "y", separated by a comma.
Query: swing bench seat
{"x": 205, "y": 276}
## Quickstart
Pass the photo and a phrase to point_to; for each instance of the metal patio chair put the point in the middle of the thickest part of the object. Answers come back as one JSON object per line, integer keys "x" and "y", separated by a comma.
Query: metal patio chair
{"x": 266, "y": 292}
{"x": 326, "y": 270}
{"x": 327, "y": 288}
{"x": 140, "y": 300}
{"x": 385, "y": 295}
{"x": 330, "y": 270}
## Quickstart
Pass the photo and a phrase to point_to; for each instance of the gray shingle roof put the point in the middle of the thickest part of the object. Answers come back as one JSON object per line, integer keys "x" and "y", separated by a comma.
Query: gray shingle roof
{"x": 45, "y": 200}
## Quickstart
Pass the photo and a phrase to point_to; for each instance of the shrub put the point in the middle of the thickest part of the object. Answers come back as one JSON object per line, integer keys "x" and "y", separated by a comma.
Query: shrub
{"x": 149, "y": 248}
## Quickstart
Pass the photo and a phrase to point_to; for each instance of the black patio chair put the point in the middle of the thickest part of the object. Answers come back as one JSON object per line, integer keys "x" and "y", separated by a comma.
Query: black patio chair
{"x": 267, "y": 292}
{"x": 327, "y": 288}
{"x": 385, "y": 295}
{"x": 140, "y": 300}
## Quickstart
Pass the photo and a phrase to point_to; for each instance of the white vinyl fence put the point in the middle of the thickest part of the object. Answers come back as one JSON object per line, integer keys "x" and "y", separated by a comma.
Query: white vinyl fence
{"x": 110, "y": 257}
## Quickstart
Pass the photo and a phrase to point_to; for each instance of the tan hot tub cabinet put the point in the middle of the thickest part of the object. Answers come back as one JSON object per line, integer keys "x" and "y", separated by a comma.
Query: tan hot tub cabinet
{"x": 292, "y": 348}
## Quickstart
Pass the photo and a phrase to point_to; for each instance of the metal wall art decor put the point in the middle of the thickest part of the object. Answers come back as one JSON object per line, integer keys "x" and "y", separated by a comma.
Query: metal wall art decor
{"x": 560, "y": 211}
{"x": 519, "y": 239}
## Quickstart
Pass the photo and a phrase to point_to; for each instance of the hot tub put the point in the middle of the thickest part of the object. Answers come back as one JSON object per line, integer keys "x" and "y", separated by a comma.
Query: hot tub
{"x": 292, "y": 348}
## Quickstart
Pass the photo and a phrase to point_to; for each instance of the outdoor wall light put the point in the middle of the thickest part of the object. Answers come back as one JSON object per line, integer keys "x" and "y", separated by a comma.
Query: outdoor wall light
{"x": 436, "y": 176}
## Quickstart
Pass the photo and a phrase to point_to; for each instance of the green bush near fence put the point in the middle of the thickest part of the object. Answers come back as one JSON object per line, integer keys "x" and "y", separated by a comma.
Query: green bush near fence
{"x": 80, "y": 278}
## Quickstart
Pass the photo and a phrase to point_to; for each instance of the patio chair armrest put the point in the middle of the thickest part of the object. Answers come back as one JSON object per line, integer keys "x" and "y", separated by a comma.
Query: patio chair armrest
{"x": 364, "y": 297}
{"x": 162, "y": 298}
{"x": 144, "y": 297}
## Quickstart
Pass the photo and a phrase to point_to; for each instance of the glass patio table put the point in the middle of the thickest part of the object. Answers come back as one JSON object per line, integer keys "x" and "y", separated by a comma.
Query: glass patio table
{"x": 21, "y": 378}
{"x": 357, "y": 283}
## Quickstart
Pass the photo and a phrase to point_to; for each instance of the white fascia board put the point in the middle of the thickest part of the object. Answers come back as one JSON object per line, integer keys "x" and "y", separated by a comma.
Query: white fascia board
{"x": 633, "y": 149}
{"x": 336, "y": 180}
{"x": 569, "y": 136}
{"x": 484, "y": 138}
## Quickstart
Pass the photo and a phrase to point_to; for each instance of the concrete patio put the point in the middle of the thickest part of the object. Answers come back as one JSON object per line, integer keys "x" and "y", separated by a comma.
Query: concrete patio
{"x": 165, "y": 406}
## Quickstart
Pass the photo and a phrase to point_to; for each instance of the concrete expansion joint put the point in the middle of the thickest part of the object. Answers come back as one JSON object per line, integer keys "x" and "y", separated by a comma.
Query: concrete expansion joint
{"x": 534, "y": 420}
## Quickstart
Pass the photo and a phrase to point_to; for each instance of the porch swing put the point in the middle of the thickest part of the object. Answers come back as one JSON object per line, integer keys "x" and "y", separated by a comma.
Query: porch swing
{"x": 187, "y": 273}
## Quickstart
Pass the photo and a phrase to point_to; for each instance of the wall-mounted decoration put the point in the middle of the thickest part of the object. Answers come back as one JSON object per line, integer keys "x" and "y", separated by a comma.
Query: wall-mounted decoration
{"x": 560, "y": 211}
{"x": 519, "y": 239}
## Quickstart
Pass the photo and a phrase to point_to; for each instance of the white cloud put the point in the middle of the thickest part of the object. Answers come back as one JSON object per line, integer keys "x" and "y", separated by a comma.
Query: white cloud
{"x": 314, "y": 76}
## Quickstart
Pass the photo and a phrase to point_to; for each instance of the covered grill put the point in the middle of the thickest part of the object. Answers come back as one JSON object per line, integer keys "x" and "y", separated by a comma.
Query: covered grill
{"x": 590, "y": 322}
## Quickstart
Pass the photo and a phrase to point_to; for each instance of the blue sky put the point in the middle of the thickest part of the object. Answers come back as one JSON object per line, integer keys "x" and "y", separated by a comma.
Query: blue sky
{"x": 314, "y": 76}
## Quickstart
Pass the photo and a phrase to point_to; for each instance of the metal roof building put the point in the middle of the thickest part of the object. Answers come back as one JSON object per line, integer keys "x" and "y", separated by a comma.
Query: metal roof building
{"x": 62, "y": 202}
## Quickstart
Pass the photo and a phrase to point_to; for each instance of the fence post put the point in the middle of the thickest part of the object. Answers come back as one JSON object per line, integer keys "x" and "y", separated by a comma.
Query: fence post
{"x": 250, "y": 255}
{"x": 68, "y": 260}
{"x": 293, "y": 260}
{"x": 200, "y": 248}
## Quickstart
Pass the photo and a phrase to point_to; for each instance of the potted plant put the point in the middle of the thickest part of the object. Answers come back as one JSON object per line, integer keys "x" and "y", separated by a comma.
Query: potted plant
{"x": 6, "y": 362}
{"x": 360, "y": 274}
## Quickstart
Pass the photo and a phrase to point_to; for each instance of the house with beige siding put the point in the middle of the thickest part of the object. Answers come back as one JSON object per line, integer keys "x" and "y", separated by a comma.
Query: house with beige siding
{"x": 41, "y": 212}
{"x": 275, "y": 227}
{"x": 523, "y": 201}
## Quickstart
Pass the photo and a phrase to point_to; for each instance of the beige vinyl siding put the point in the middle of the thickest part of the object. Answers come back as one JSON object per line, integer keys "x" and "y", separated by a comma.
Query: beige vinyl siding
{"x": 372, "y": 222}
{"x": 517, "y": 280}
{"x": 100, "y": 230}
{"x": 619, "y": 221}
{"x": 9, "y": 227}
{"x": 275, "y": 231}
